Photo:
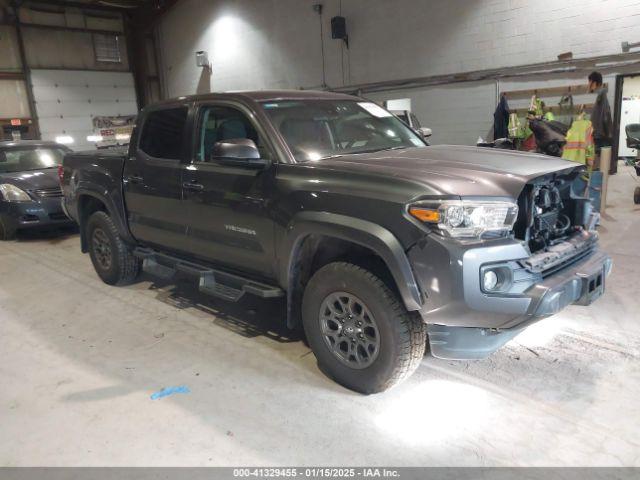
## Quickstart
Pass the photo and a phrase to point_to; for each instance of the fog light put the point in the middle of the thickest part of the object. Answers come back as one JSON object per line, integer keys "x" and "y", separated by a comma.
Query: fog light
{"x": 490, "y": 280}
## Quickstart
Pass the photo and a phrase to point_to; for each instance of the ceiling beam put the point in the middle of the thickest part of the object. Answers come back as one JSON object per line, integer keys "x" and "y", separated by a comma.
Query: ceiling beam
{"x": 79, "y": 5}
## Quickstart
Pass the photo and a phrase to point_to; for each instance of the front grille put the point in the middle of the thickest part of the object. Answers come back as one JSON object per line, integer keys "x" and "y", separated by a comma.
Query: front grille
{"x": 48, "y": 192}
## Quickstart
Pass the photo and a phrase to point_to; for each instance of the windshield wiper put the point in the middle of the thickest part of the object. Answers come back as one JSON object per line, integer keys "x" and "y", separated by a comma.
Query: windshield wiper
{"x": 385, "y": 149}
{"x": 373, "y": 150}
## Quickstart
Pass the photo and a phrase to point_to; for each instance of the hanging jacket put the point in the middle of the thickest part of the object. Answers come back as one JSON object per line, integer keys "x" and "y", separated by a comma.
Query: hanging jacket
{"x": 547, "y": 139}
{"x": 516, "y": 129}
{"x": 559, "y": 127}
{"x": 501, "y": 119}
{"x": 579, "y": 147}
{"x": 536, "y": 106}
{"x": 566, "y": 109}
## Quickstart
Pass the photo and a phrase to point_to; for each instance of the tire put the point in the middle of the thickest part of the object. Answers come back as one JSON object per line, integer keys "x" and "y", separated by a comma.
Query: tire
{"x": 347, "y": 356}
{"x": 7, "y": 228}
{"x": 112, "y": 259}
{"x": 636, "y": 196}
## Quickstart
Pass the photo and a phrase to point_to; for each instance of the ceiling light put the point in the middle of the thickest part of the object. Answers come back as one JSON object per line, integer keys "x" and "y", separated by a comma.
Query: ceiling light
{"x": 64, "y": 139}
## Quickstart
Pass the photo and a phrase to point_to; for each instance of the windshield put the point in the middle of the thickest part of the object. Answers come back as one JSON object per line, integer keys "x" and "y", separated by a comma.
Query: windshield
{"x": 315, "y": 129}
{"x": 23, "y": 159}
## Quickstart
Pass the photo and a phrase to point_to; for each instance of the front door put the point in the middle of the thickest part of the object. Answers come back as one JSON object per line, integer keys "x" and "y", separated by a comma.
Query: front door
{"x": 153, "y": 181}
{"x": 228, "y": 206}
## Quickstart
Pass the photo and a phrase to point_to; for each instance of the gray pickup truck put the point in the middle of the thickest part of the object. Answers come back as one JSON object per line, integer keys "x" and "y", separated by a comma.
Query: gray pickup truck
{"x": 380, "y": 243}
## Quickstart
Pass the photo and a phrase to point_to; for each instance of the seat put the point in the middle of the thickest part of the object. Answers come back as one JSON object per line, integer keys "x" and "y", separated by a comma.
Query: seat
{"x": 307, "y": 133}
{"x": 232, "y": 128}
{"x": 633, "y": 135}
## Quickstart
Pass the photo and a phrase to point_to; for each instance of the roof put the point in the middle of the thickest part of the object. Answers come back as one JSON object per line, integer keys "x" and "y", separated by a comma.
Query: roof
{"x": 29, "y": 143}
{"x": 266, "y": 95}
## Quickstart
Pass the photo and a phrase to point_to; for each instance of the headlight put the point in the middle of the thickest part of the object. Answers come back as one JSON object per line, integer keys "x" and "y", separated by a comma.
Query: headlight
{"x": 11, "y": 193}
{"x": 467, "y": 219}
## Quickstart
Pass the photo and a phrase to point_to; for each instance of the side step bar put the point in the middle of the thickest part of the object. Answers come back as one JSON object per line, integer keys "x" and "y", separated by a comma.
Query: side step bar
{"x": 217, "y": 283}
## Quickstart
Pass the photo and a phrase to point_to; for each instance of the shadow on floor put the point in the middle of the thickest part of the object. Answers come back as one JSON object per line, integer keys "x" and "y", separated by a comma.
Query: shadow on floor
{"x": 51, "y": 235}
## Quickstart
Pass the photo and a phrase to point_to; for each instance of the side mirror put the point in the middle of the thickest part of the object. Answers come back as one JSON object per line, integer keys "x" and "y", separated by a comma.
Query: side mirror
{"x": 425, "y": 132}
{"x": 239, "y": 152}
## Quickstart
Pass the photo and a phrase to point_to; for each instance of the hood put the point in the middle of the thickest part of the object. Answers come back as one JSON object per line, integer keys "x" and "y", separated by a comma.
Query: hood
{"x": 455, "y": 170}
{"x": 32, "y": 179}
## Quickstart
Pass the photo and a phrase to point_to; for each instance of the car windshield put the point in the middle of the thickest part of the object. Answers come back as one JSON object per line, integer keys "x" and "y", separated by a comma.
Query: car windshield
{"x": 316, "y": 129}
{"x": 33, "y": 158}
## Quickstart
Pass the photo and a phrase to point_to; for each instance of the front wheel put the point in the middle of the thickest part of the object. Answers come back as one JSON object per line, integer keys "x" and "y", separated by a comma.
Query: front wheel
{"x": 112, "y": 259}
{"x": 359, "y": 331}
{"x": 636, "y": 196}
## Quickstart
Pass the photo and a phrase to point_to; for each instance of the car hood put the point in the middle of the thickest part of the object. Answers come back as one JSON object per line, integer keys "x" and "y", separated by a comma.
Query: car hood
{"x": 455, "y": 170}
{"x": 32, "y": 179}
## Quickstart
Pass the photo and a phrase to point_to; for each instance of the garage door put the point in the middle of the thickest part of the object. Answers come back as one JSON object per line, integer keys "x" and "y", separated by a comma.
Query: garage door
{"x": 67, "y": 101}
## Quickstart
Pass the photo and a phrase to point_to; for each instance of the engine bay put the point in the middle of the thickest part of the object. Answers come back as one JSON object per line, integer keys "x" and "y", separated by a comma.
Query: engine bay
{"x": 556, "y": 219}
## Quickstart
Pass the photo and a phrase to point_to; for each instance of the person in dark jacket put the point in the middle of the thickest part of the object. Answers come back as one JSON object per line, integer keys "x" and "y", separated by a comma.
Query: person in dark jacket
{"x": 601, "y": 115}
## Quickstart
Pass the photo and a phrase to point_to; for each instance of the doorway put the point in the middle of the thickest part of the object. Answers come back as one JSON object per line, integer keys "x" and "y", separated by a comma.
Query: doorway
{"x": 627, "y": 111}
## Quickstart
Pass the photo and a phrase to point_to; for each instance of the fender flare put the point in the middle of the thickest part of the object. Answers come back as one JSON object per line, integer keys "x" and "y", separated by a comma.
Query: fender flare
{"x": 361, "y": 232}
{"x": 112, "y": 209}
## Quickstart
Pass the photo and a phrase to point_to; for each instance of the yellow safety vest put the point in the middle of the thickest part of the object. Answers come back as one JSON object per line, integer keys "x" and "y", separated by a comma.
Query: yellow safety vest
{"x": 579, "y": 147}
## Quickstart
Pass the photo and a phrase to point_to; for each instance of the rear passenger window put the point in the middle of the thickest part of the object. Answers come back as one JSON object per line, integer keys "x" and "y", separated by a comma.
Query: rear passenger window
{"x": 163, "y": 133}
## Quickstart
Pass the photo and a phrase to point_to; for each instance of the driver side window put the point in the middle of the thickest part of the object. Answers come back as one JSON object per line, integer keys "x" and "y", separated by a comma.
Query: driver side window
{"x": 218, "y": 124}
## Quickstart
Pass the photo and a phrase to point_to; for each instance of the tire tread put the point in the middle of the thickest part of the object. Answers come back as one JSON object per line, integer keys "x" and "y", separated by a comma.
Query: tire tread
{"x": 128, "y": 266}
{"x": 412, "y": 330}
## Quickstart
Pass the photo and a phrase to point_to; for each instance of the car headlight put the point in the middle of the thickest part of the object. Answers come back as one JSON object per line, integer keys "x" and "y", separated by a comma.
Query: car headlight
{"x": 467, "y": 219}
{"x": 11, "y": 193}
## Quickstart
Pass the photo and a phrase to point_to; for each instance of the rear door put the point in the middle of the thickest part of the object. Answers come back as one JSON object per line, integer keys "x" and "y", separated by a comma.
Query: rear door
{"x": 153, "y": 180}
{"x": 228, "y": 206}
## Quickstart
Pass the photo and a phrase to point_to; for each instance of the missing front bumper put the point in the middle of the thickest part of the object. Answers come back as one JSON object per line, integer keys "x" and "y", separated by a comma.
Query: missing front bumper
{"x": 581, "y": 284}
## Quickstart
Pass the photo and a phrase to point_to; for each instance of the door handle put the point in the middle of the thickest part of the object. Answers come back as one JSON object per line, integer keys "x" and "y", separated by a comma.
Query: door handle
{"x": 194, "y": 187}
{"x": 135, "y": 179}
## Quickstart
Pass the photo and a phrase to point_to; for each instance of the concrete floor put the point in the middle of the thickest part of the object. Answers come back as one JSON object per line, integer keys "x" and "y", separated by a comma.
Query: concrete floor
{"x": 79, "y": 361}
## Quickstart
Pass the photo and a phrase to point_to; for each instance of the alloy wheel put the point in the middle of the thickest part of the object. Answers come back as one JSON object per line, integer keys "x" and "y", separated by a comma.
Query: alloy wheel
{"x": 102, "y": 248}
{"x": 349, "y": 330}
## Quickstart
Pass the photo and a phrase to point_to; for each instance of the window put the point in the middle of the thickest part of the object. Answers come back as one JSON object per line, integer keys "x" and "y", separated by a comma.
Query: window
{"x": 25, "y": 159}
{"x": 163, "y": 133}
{"x": 315, "y": 129}
{"x": 106, "y": 48}
{"x": 225, "y": 123}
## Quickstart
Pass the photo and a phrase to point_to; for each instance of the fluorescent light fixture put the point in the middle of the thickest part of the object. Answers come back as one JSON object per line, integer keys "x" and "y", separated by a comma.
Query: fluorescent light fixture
{"x": 94, "y": 138}
{"x": 64, "y": 139}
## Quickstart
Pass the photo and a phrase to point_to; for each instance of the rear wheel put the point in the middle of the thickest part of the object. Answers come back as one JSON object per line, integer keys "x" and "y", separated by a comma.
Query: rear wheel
{"x": 112, "y": 259}
{"x": 636, "y": 196}
{"x": 359, "y": 331}
{"x": 7, "y": 228}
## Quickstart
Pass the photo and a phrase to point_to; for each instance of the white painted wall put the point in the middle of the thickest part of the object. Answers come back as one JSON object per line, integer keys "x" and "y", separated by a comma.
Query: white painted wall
{"x": 275, "y": 44}
{"x": 67, "y": 101}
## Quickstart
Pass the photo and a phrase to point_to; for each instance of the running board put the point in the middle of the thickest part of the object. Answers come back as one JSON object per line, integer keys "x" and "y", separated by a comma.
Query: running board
{"x": 224, "y": 285}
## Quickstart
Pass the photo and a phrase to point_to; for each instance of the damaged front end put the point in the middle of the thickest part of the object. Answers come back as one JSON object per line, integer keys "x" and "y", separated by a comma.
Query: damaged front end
{"x": 556, "y": 221}
{"x": 551, "y": 260}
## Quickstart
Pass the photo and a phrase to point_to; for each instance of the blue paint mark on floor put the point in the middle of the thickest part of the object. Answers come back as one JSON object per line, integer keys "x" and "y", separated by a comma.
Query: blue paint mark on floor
{"x": 165, "y": 392}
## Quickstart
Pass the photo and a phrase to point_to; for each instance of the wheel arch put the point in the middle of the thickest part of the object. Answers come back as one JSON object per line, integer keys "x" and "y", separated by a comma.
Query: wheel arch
{"x": 315, "y": 238}
{"x": 90, "y": 202}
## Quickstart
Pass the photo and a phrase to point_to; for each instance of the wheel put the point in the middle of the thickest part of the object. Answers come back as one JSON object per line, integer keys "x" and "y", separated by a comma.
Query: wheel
{"x": 636, "y": 196}
{"x": 112, "y": 259}
{"x": 7, "y": 228}
{"x": 359, "y": 331}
